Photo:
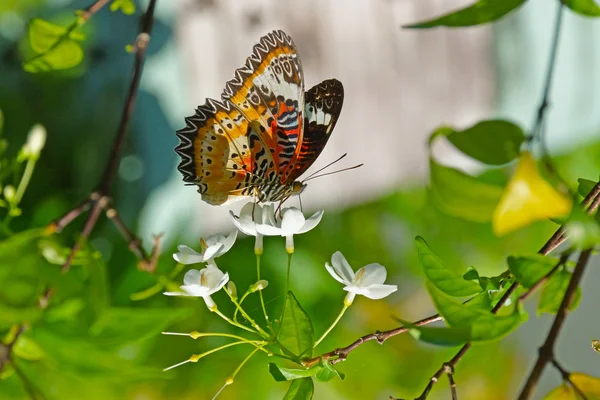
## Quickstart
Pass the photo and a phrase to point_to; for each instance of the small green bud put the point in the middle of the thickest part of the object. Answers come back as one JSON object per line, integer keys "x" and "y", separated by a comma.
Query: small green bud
{"x": 232, "y": 290}
{"x": 260, "y": 285}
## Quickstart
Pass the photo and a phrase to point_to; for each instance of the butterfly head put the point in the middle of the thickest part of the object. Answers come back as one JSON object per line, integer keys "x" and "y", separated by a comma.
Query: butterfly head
{"x": 297, "y": 187}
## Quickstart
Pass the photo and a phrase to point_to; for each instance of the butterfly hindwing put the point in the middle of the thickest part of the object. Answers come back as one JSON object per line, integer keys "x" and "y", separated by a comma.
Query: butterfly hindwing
{"x": 323, "y": 105}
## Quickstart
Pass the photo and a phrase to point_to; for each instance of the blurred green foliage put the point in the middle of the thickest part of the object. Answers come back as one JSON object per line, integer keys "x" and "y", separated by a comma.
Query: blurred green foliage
{"x": 96, "y": 329}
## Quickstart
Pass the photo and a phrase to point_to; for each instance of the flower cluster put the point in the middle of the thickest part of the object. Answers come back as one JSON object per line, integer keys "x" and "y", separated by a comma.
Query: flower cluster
{"x": 259, "y": 221}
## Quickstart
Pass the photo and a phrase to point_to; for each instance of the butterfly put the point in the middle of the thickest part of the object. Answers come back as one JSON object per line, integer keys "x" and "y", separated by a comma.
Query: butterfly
{"x": 265, "y": 131}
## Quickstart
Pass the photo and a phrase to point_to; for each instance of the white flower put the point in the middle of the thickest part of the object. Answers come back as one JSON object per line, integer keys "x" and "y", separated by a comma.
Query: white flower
{"x": 202, "y": 283}
{"x": 213, "y": 247}
{"x": 292, "y": 223}
{"x": 36, "y": 139}
{"x": 367, "y": 281}
{"x": 251, "y": 215}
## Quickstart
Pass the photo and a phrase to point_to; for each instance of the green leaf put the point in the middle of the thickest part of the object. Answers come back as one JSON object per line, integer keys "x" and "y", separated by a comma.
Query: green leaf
{"x": 327, "y": 372}
{"x": 56, "y": 46}
{"x": 553, "y": 292}
{"x": 482, "y": 301}
{"x": 585, "y": 186}
{"x": 296, "y": 331}
{"x": 116, "y": 326}
{"x": 479, "y": 13}
{"x": 483, "y": 326}
{"x": 583, "y": 230}
{"x": 57, "y": 254}
{"x": 300, "y": 389}
{"x": 126, "y": 6}
{"x": 28, "y": 349}
{"x": 68, "y": 310}
{"x": 588, "y": 8}
{"x": 493, "y": 142}
{"x": 281, "y": 374}
{"x": 462, "y": 195}
{"x": 444, "y": 278}
{"x": 528, "y": 270}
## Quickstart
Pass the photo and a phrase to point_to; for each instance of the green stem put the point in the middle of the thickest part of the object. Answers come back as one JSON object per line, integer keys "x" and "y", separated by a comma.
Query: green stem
{"x": 24, "y": 180}
{"x": 252, "y": 322}
{"x": 234, "y": 323}
{"x": 195, "y": 335}
{"x": 194, "y": 358}
{"x": 289, "y": 268}
{"x": 332, "y": 325}
{"x": 245, "y": 361}
{"x": 237, "y": 309}
{"x": 262, "y": 301}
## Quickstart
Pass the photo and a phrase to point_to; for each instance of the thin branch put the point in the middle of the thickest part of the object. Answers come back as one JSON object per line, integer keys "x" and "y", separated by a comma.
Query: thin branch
{"x": 563, "y": 259}
{"x": 449, "y": 366}
{"x": 57, "y": 225}
{"x": 340, "y": 354}
{"x": 546, "y": 352}
{"x": 93, "y": 9}
{"x": 90, "y": 222}
{"x": 566, "y": 375}
{"x": 101, "y": 197}
{"x": 147, "y": 262}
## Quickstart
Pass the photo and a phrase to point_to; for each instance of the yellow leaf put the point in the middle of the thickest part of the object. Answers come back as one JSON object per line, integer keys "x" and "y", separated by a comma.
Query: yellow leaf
{"x": 528, "y": 198}
{"x": 589, "y": 385}
{"x": 563, "y": 392}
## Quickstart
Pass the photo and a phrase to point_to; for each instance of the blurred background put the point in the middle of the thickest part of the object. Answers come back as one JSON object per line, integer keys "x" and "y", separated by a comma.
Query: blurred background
{"x": 399, "y": 86}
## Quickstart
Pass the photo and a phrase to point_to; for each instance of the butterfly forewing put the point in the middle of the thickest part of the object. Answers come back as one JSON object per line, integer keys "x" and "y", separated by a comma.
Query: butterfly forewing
{"x": 270, "y": 89}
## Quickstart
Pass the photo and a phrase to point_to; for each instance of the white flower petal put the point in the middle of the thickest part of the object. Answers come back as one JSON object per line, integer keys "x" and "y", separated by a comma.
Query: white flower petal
{"x": 214, "y": 239}
{"x": 187, "y": 255}
{"x": 192, "y": 277}
{"x": 293, "y": 220}
{"x": 335, "y": 275}
{"x": 211, "y": 277}
{"x": 372, "y": 274}
{"x": 268, "y": 230}
{"x": 195, "y": 290}
{"x": 342, "y": 267}
{"x": 268, "y": 216}
{"x": 212, "y": 251}
{"x": 246, "y": 228}
{"x": 222, "y": 283}
{"x": 376, "y": 292}
{"x": 311, "y": 222}
{"x": 228, "y": 242}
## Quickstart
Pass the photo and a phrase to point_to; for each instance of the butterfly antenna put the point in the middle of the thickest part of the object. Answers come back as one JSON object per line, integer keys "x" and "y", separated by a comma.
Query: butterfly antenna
{"x": 333, "y": 172}
{"x": 327, "y": 166}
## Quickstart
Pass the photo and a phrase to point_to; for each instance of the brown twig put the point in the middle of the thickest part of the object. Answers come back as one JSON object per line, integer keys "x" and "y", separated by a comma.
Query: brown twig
{"x": 101, "y": 197}
{"x": 546, "y": 352}
{"x": 340, "y": 354}
{"x": 563, "y": 259}
{"x": 448, "y": 367}
{"x": 566, "y": 375}
{"x": 93, "y": 9}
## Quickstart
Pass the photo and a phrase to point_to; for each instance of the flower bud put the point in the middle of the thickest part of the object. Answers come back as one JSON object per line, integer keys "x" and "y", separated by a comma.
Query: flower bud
{"x": 36, "y": 139}
{"x": 260, "y": 285}
{"x": 9, "y": 193}
{"x": 231, "y": 289}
